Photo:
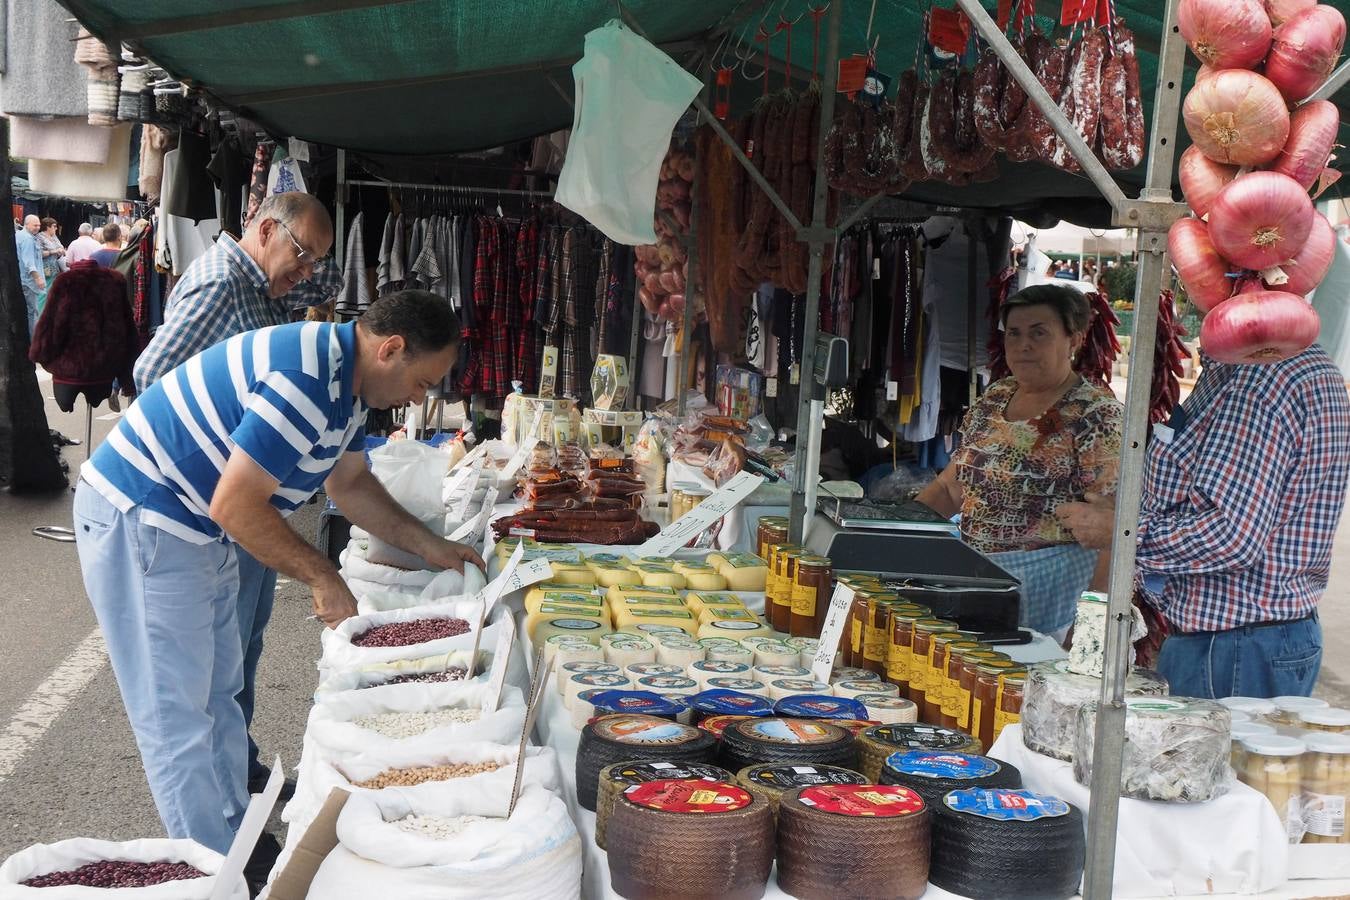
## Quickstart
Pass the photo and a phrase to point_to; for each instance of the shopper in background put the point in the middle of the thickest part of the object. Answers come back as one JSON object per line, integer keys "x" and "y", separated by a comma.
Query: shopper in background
{"x": 232, "y": 288}
{"x": 31, "y": 279}
{"x": 204, "y": 466}
{"x": 83, "y": 247}
{"x": 53, "y": 251}
{"x": 1242, "y": 494}
{"x": 106, "y": 255}
{"x": 1043, "y": 437}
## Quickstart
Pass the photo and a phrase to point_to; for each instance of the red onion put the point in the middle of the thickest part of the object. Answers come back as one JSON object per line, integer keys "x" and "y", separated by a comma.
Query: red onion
{"x": 1202, "y": 179}
{"x": 1312, "y": 137}
{"x": 1260, "y": 220}
{"x": 1305, "y": 51}
{"x": 1259, "y": 327}
{"x": 1237, "y": 117}
{"x": 1203, "y": 272}
{"x": 1281, "y": 11}
{"x": 1205, "y": 71}
{"x": 649, "y": 302}
{"x": 1226, "y": 34}
{"x": 1307, "y": 269}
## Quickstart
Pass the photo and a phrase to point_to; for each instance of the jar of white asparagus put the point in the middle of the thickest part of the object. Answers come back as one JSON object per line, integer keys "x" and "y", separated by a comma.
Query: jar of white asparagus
{"x": 1326, "y": 785}
{"x": 1272, "y": 766}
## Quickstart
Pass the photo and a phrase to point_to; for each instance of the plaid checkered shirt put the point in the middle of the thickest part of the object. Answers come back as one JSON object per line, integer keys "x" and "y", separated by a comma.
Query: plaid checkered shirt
{"x": 1240, "y": 507}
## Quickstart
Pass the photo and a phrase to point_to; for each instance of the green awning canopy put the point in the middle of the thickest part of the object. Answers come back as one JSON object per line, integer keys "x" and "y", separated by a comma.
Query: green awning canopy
{"x": 432, "y": 76}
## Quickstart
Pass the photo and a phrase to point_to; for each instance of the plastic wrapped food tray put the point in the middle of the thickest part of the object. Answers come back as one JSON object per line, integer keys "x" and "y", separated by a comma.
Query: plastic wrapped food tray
{"x": 1053, "y": 696}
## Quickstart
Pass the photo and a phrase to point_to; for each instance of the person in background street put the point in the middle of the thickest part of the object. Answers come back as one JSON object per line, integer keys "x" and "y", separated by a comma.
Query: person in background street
{"x": 1242, "y": 494}
{"x": 1043, "y": 437}
{"x": 53, "y": 252}
{"x": 232, "y": 288}
{"x": 82, "y": 247}
{"x": 112, "y": 246}
{"x": 31, "y": 279}
{"x": 206, "y": 465}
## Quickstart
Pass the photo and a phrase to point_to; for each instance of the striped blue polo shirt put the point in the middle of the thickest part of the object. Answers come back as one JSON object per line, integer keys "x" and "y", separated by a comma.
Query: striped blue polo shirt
{"x": 283, "y": 395}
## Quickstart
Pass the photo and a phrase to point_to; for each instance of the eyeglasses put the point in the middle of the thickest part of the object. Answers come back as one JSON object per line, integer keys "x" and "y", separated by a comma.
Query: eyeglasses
{"x": 301, "y": 254}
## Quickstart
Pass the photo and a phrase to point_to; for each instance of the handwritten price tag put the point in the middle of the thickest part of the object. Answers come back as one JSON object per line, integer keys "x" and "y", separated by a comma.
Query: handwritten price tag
{"x": 526, "y": 447}
{"x": 830, "y": 633}
{"x": 471, "y": 532}
{"x": 501, "y": 657}
{"x": 693, "y": 523}
{"x": 461, "y": 488}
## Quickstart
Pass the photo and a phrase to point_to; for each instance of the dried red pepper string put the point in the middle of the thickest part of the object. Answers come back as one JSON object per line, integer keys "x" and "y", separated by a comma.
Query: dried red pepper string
{"x": 816, "y": 15}
{"x": 785, "y": 25}
{"x": 762, "y": 35}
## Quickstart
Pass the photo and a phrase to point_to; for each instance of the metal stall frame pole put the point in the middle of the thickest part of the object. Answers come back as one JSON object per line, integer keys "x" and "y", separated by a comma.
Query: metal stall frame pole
{"x": 972, "y": 304}
{"x": 340, "y": 211}
{"x": 1153, "y": 214}
{"x": 691, "y": 249}
{"x": 806, "y": 464}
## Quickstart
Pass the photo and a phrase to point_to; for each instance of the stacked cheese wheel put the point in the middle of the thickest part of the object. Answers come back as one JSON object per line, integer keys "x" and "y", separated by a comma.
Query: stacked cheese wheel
{"x": 876, "y": 744}
{"x": 933, "y": 773}
{"x": 616, "y": 778}
{"x": 677, "y": 839}
{"x": 775, "y": 739}
{"x": 618, "y": 738}
{"x": 853, "y": 840}
{"x": 773, "y": 780}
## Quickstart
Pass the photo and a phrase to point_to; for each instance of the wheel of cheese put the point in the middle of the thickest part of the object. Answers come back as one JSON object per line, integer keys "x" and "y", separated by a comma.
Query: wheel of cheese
{"x": 702, "y": 670}
{"x": 1177, "y": 750}
{"x": 879, "y": 742}
{"x": 637, "y": 651}
{"x": 576, "y": 650}
{"x": 934, "y": 773}
{"x": 643, "y": 669}
{"x": 707, "y": 704}
{"x": 614, "y": 575}
{"x": 858, "y": 688}
{"x": 583, "y": 710}
{"x": 678, "y": 685}
{"x": 889, "y": 710}
{"x": 732, "y": 683}
{"x": 568, "y": 573}
{"x": 776, "y": 653}
{"x": 736, "y": 630}
{"x": 636, "y": 702}
{"x": 585, "y": 682}
{"x": 772, "y": 673}
{"x": 744, "y": 572}
{"x": 565, "y": 671}
{"x": 616, "y": 778}
{"x": 715, "y": 725}
{"x": 623, "y": 737}
{"x": 773, "y": 780}
{"x": 587, "y": 627}
{"x": 852, "y": 673}
{"x": 782, "y": 688}
{"x": 731, "y": 652}
{"x": 839, "y": 710}
{"x": 677, "y": 652}
{"x": 853, "y": 840}
{"x": 806, "y": 649}
{"x": 1007, "y": 843}
{"x": 688, "y": 839}
{"x": 1053, "y": 695}
{"x": 801, "y": 741}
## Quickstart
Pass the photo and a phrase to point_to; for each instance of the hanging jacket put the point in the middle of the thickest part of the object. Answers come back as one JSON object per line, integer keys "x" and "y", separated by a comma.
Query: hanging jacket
{"x": 86, "y": 334}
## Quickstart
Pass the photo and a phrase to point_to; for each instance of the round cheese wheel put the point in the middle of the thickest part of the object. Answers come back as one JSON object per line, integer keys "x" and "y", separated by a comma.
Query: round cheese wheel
{"x": 932, "y": 773}
{"x": 776, "y": 653}
{"x": 879, "y": 742}
{"x": 731, "y": 653}
{"x": 627, "y": 653}
{"x": 773, "y": 672}
{"x": 624, "y": 737}
{"x": 852, "y": 673}
{"x": 663, "y": 579}
{"x": 667, "y": 685}
{"x": 578, "y": 683}
{"x": 615, "y": 778}
{"x": 774, "y": 739}
{"x": 679, "y": 653}
{"x": 574, "y": 649}
{"x": 1053, "y": 696}
{"x": 643, "y": 669}
{"x": 791, "y": 687}
{"x": 738, "y": 631}
{"x": 744, "y": 685}
{"x": 583, "y": 667}
{"x": 705, "y": 581}
{"x": 773, "y": 780}
{"x": 855, "y": 688}
{"x": 703, "y": 670}
{"x": 615, "y": 576}
{"x": 565, "y": 573}
{"x": 889, "y": 710}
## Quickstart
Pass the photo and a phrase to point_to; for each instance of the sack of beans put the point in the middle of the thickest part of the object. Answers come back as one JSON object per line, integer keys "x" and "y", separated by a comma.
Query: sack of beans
{"x": 88, "y": 869}
{"x": 443, "y": 668}
{"x": 445, "y": 587}
{"x": 425, "y": 773}
{"x": 365, "y": 577}
{"x": 422, "y": 631}
{"x": 412, "y": 716}
{"x": 458, "y": 847}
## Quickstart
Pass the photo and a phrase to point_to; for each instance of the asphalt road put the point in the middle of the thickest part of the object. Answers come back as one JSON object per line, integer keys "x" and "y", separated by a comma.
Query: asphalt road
{"x": 68, "y": 763}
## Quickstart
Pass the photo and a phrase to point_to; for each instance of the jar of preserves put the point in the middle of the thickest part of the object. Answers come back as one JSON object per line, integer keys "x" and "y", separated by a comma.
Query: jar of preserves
{"x": 1336, "y": 721}
{"x": 899, "y": 649}
{"x": 1271, "y": 766}
{"x": 771, "y": 530}
{"x": 984, "y": 701}
{"x": 970, "y": 662}
{"x": 1009, "y": 703}
{"x": 876, "y": 631}
{"x": 771, "y": 581}
{"x": 811, "y": 595}
{"x": 1326, "y": 787}
{"x": 924, "y": 629}
{"x": 937, "y": 675}
{"x": 781, "y": 617}
{"x": 951, "y": 685}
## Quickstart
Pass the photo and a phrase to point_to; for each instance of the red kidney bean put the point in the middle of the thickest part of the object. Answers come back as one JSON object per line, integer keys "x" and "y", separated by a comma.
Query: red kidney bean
{"x": 418, "y": 631}
{"x": 117, "y": 873}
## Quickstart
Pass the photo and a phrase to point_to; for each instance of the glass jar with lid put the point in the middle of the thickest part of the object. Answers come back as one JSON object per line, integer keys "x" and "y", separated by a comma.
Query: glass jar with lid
{"x": 811, "y": 595}
{"x": 1287, "y": 709}
{"x": 984, "y": 703}
{"x": 970, "y": 663}
{"x": 1326, "y": 788}
{"x": 781, "y": 618}
{"x": 1336, "y": 721}
{"x": 921, "y": 649}
{"x": 1241, "y": 730}
{"x": 951, "y": 681}
{"x": 936, "y": 679}
{"x": 1010, "y": 689}
{"x": 1272, "y": 766}
{"x": 771, "y": 530}
{"x": 876, "y": 630}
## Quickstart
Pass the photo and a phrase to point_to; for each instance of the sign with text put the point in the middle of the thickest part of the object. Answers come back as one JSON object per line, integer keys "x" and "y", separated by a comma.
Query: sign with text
{"x": 501, "y": 660}
{"x": 831, "y": 632}
{"x": 695, "y": 522}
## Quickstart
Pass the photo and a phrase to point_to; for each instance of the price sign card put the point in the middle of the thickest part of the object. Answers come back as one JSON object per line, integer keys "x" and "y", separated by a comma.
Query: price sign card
{"x": 830, "y": 633}
{"x": 501, "y": 659}
{"x": 696, "y": 521}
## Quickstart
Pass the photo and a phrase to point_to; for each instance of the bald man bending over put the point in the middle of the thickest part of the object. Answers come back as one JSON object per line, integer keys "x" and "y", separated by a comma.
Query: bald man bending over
{"x": 232, "y": 288}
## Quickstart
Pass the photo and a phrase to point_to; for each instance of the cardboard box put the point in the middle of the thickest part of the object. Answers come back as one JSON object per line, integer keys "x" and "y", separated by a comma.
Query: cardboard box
{"x": 292, "y": 882}
{"x": 609, "y": 382}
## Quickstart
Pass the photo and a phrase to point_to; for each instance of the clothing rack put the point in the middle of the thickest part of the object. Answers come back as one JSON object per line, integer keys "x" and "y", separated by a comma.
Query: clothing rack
{"x": 451, "y": 188}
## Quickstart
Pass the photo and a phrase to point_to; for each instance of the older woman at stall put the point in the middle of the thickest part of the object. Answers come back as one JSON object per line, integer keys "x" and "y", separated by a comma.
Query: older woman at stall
{"x": 53, "y": 251}
{"x": 1042, "y": 437}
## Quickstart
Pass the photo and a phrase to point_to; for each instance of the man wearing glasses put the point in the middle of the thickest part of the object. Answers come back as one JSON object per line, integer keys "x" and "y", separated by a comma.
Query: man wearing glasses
{"x": 232, "y": 288}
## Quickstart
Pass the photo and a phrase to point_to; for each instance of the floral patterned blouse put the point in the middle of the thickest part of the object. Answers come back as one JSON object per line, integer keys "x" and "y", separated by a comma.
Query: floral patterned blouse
{"x": 1015, "y": 474}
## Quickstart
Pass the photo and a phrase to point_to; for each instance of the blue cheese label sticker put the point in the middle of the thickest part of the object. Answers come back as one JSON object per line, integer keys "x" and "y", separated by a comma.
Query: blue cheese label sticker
{"x": 926, "y": 764}
{"x": 1006, "y": 805}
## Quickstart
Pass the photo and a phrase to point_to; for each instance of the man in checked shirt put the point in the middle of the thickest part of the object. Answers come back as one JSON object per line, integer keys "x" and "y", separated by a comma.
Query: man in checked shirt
{"x": 1242, "y": 493}
{"x": 234, "y": 287}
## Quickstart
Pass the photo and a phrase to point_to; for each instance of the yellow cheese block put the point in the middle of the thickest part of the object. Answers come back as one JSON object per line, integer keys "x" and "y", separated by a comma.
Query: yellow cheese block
{"x": 536, "y": 598}
{"x": 547, "y": 611}
{"x": 661, "y": 561}
{"x": 572, "y": 573}
{"x": 563, "y": 553}
{"x": 633, "y": 618}
{"x": 716, "y": 558}
{"x": 734, "y": 629}
{"x": 744, "y": 572}
{"x": 580, "y": 626}
{"x": 507, "y": 545}
{"x": 705, "y": 581}
{"x": 608, "y": 559}
{"x": 697, "y": 600}
{"x": 685, "y": 566}
{"x": 726, "y": 614}
{"x": 658, "y": 576}
{"x": 613, "y": 574}
{"x": 620, "y": 593}
{"x": 657, "y": 602}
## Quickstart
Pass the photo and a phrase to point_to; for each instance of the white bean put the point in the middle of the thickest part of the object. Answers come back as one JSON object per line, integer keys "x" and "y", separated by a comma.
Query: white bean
{"x": 410, "y": 724}
{"x": 437, "y": 827}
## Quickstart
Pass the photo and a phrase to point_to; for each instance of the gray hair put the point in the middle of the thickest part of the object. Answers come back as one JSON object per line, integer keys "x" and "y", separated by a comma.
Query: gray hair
{"x": 288, "y": 207}
{"x": 86, "y": 228}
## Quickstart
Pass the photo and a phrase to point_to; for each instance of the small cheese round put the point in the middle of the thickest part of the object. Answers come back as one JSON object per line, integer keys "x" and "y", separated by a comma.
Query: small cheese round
{"x": 791, "y": 687}
{"x": 704, "y": 670}
{"x": 705, "y": 581}
{"x": 744, "y": 685}
{"x": 679, "y": 653}
{"x": 627, "y": 653}
{"x": 888, "y": 710}
{"x": 567, "y": 670}
{"x": 775, "y": 653}
{"x": 859, "y": 688}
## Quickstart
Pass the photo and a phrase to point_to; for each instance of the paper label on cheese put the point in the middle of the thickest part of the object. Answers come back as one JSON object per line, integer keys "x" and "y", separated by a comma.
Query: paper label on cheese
{"x": 667, "y": 683}
{"x": 820, "y": 708}
{"x": 927, "y": 764}
{"x": 574, "y": 624}
{"x": 733, "y": 625}
{"x": 920, "y": 737}
{"x": 1006, "y": 805}
{"x": 743, "y": 685}
{"x": 674, "y": 795}
{"x": 649, "y": 628}
{"x": 788, "y": 777}
{"x": 873, "y": 800}
{"x": 791, "y": 731}
{"x": 715, "y": 725}
{"x": 638, "y": 773}
{"x": 719, "y": 667}
{"x": 632, "y": 729}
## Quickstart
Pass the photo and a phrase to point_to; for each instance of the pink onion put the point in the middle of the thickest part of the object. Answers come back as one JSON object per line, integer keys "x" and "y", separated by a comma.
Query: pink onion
{"x": 649, "y": 302}
{"x": 1312, "y": 137}
{"x": 1202, "y": 179}
{"x": 1205, "y": 71}
{"x": 1281, "y": 11}
{"x": 652, "y": 282}
{"x": 1226, "y": 34}
{"x": 1203, "y": 272}
{"x": 1305, "y": 51}
{"x": 1260, "y": 220}
{"x": 1259, "y": 327}
{"x": 1307, "y": 269}
{"x": 1237, "y": 118}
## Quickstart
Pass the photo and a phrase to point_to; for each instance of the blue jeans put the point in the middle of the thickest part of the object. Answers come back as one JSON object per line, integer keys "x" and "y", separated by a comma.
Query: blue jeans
{"x": 257, "y": 591}
{"x": 166, "y": 608}
{"x": 1264, "y": 661}
{"x": 31, "y": 298}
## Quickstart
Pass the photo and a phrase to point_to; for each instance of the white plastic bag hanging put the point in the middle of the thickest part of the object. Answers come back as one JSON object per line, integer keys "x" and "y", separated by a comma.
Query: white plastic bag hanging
{"x": 412, "y": 472}
{"x": 629, "y": 95}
